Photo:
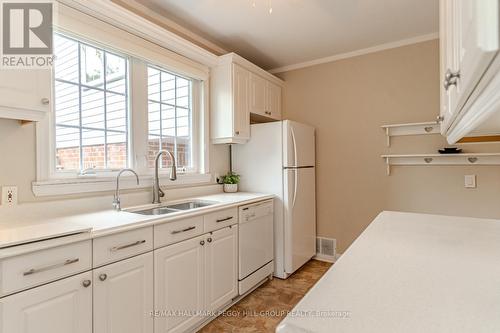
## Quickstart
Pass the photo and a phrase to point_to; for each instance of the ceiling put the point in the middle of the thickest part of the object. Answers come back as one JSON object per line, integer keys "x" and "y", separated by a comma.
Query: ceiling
{"x": 300, "y": 30}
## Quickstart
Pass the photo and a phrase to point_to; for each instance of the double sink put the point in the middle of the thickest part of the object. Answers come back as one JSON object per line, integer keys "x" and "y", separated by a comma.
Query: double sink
{"x": 175, "y": 208}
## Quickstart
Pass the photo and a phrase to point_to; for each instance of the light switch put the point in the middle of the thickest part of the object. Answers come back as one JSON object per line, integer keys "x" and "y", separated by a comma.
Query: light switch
{"x": 470, "y": 181}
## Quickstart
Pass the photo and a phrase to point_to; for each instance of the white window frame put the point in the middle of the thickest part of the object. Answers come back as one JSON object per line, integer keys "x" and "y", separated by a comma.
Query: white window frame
{"x": 140, "y": 53}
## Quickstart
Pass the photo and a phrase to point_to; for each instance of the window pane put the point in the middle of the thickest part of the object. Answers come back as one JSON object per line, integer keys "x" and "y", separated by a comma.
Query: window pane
{"x": 116, "y": 73}
{"x": 117, "y": 150}
{"x": 66, "y": 63}
{"x": 93, "y": 149}
{"x": 170, "y": 117}
{"x": 67, "y": 106}
{"x": 153, "y": 84}
{"x": 116, "y": 112}
{"x": 92, "y": 64}
{"x": 67, "y": 148}
{"x": 91, "y": 107}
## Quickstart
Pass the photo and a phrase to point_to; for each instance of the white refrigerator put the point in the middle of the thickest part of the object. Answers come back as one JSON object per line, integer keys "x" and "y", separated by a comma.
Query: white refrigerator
{"x": 280, "y": 159}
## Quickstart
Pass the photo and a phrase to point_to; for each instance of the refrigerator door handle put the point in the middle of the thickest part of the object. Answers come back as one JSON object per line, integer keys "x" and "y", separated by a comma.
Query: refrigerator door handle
{"x": 294, "y": 143}
{"x": 295, "y": 180}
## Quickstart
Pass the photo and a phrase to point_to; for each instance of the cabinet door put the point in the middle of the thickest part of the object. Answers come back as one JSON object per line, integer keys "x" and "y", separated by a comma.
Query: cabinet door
{"x": 448, "y": 40}
{"x": 59, "y": 307}
{"x": 123, "y": 296}
{"x": 26, "y": 90}
{"x": 241, "y": 112}
{"x": 258, "y": 98}
{"x": 221, "y": 267}
{"x": 179, "y": 288}
{"x": 478, "y": 28}
{"x": 273, "y": 100}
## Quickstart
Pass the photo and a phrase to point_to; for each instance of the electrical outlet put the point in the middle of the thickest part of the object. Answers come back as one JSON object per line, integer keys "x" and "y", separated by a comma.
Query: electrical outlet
{"x": 9, "y": 195}
{"x": 470, "y": 181}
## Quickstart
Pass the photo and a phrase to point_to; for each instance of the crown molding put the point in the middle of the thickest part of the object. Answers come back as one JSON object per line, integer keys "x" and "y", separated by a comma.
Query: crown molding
{"x": 160, "y": 19}
{"x": 373, "y": 49}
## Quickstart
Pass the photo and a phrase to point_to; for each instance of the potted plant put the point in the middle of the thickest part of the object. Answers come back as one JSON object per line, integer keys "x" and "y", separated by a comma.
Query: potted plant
{"x": 230, "y": 181}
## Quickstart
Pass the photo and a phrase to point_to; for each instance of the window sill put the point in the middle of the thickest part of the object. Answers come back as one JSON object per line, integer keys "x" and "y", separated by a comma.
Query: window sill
{"x": 104, "y": 184}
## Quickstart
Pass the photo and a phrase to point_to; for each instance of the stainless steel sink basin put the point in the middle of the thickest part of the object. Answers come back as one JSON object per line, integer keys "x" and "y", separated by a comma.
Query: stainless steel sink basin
{"x": 175, "y": 208}
{"x": 190, "y": 205}
{"x": 156, "y": 211}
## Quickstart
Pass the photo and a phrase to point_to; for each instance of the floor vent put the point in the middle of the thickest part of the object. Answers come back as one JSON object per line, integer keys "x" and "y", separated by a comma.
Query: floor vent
{"x": 326, "y": 248}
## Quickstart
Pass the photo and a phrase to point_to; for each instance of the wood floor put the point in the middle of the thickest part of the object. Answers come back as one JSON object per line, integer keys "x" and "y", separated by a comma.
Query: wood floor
{"x": 263, "y": 309}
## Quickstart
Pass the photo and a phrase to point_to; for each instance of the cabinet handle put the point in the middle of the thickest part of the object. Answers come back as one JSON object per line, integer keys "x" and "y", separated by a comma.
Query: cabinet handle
{"x": 268, "y": 113}
{"x": 86, "y": 283}
{"x": 117, "y": 248}
{"x": 202, "y": 242}
{"x": 45, "y": 101}
{"x": 47, "y": 268}
{"x": 450, "y": 79}
{"x": 224, "y": 219}
{"x": 237, "y": 132}
{"x": 183, "y": 230}
{"x": 439, "y": 119}
{"x": 103, "y": 277}
{"x": 209, "y": 239}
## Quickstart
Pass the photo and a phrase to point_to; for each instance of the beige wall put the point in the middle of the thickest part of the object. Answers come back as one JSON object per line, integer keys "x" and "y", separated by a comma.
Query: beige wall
{"x": 347, "y": 101}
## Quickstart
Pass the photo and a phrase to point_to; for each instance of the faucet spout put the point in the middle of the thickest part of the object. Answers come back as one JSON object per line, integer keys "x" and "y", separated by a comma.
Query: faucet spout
{"x": 116, "y": 199}
{"x": 157, "y": 192}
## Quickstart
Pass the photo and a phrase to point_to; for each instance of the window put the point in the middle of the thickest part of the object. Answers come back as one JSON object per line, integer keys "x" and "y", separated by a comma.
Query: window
{"x": 170, "y": 118}
{"x": 114, "y": 110}
{"x": 91, "y": 107}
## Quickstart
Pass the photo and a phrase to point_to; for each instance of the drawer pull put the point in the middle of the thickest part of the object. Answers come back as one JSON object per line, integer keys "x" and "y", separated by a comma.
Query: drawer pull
{"x": 117, "y": 248}
{"x": 47, "y": 268}
{"x": 224, "y": 219}
{"x": 183, "y": 230}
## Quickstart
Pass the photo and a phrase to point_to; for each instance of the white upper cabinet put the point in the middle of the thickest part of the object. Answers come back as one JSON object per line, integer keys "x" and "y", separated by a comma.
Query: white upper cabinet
{"x": 469, "y": 37}
{"x": 258, "y": 100}
{"x": 25, "y": 94}
{"x": 239, "y": 89}
{"x": 123, "y": 296}
{"x": 265, "y": 97}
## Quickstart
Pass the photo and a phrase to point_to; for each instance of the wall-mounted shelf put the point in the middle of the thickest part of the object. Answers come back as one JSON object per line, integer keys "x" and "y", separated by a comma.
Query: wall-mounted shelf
{"x": 432, "y": 127}
{"x": 442, "y": 159}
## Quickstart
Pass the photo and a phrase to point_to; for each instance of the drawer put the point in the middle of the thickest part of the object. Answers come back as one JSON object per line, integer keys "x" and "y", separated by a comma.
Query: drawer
{"x": 220, "y": 219}
{"x": 123, "y": 245}
{"x": 35, "y": 268}
{"x": 173, "y": 232}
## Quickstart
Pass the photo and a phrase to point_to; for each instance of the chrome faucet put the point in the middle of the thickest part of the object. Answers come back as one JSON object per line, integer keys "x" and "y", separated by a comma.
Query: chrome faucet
{"x": 157, "y": 192}
{"x": 116, "y": 199}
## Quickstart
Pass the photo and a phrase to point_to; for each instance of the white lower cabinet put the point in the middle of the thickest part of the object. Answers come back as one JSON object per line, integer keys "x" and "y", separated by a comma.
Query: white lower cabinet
{"x": 59, "y": 307}
{"x": 194, "y": 277}
{"x": 123, "y": 296}
{"x": 179, "y": 297}
{"x": 221, "y": 258}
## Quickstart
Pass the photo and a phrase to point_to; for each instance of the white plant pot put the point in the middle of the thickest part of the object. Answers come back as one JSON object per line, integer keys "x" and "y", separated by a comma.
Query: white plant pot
{"x": 230, "y": 188}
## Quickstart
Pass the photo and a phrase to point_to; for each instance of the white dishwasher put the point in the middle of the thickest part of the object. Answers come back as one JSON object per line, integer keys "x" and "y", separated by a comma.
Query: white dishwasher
{"x": 255, "y": 244}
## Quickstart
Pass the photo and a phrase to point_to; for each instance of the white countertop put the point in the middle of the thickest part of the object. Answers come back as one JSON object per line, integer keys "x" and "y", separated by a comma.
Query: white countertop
{"x": 28, "y": 227}
{"x": 410, "y": 273}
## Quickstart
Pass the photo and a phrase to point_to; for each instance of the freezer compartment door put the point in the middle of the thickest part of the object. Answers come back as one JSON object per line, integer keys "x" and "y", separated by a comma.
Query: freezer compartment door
{"x": 299, "y": 144}
{"x": 300, "y": 217}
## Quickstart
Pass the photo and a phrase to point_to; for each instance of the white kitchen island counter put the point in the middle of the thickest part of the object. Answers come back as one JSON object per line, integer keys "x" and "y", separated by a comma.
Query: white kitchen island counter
{"x": 409, "y": 273}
